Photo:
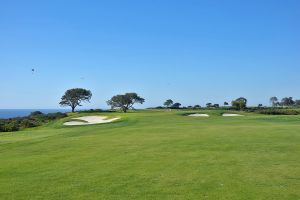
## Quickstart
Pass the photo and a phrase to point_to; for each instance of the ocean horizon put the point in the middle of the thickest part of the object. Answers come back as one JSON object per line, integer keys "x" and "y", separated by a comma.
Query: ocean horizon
{"x": 11, "y": 113}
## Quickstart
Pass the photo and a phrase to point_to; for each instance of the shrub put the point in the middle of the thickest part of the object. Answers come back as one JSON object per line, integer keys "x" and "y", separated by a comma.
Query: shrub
{"x": 278, "y": 112}
{"x": 36, "y": 113}
{"x": 29, "y": 123}
{"x": 2, "y": 125}
{"x": 34, "y": 119}
{"x": 11, "y": 125}
{"x": 53, "y": 116}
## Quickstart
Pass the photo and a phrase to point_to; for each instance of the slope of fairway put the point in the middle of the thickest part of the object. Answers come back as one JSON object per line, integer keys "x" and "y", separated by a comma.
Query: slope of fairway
{"x": 155, "y": 155}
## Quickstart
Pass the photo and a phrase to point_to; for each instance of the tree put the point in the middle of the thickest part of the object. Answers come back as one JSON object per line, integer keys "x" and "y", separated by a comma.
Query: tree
{"x": 74, "y": 97}
{"x": 125, "y": 101}
{"x": 260, "y": 105}
{"x": 208, "y": 105}
{"x": 226, "y": 103}
{"x": 216, "y": 105}
{"x": 176, "y": 105}
{"x": 297, "y": 103}
{"x": 168, "y": 103}
{"x": 274, "y": 101}
{"x": 239, "y": 103}
{"x": 197, "y": 106}
{"x": 242, "y": 99}
{"x": 287, "y": 101}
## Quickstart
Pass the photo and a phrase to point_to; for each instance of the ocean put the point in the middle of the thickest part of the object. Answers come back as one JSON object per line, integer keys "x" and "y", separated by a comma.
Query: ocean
{"x": 10, "y": 113}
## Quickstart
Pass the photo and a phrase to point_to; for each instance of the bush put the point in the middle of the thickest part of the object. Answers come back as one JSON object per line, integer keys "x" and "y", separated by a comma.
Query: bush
{"x": 29, "y": 123}
{"x": 12, "y": 125}
{"x": 36, "y": 113}
{"x": 53, "y": 116}
{"x": 91, "y": 111}
{"x": 278, "y": 112}
{"x": 36, "y": 118}
{"x": 1, "y": 125}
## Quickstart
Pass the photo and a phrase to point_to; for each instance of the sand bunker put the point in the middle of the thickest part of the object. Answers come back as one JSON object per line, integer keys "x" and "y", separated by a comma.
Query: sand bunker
{"x": 90, "y": 120}
{"x": 198, "y": 115}
{"x": 231, "y": 115}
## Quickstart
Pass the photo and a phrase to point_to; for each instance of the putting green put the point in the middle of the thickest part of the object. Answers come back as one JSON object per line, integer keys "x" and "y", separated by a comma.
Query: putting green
{"x": 155, "y": 155}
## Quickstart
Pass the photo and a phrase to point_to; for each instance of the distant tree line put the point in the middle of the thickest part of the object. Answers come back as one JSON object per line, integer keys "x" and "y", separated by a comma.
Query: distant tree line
{"x": 237, "y": 104}
{"x": 75, "y": 97}
{"x": 286, "y": 101}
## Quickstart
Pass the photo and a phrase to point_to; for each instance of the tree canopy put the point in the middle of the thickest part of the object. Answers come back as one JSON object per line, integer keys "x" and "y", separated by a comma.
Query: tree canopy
{"x": 168, "y": 103}
{"x": 239, "y": 103}
{"x": 274, "y": 101}
{"x": 208, "y": 105}
{"x": 125, "y": 101}
{"x": 287, "y": 101}
{"x": 176, "y": 105}
{"x": 74, "y": 97}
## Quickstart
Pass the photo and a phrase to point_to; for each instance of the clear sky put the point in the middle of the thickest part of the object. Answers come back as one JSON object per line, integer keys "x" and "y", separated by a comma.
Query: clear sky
{"x": 193, "y": 52}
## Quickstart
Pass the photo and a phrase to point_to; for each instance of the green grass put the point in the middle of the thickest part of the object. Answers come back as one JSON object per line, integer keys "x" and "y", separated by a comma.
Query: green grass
{"x": 155, "y": 155}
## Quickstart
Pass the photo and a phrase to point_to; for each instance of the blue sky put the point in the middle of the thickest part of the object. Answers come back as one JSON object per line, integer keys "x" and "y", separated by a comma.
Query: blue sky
{"x": 191, "y": 51}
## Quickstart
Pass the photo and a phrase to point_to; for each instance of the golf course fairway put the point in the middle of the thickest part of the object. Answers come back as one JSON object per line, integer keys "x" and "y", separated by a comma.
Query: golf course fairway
{"x": 151, "y": 154}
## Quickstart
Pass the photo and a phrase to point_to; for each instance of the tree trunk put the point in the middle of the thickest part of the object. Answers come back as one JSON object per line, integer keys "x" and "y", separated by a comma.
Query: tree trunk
{"x": 73, "y": 109}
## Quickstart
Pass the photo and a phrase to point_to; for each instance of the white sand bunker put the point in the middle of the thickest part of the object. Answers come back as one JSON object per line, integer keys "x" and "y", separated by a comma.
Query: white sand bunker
{"x": 87, "y": 120}
{"x": 231, "y": 115}
{"x": 198, "y": 115}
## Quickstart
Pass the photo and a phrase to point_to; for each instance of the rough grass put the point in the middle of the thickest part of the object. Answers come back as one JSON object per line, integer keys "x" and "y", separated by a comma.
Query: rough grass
{"x": 155, "y": 155}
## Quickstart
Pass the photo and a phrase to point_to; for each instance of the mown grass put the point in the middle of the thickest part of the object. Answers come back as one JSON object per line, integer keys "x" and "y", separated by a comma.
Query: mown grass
{"x": 155, "y": 155}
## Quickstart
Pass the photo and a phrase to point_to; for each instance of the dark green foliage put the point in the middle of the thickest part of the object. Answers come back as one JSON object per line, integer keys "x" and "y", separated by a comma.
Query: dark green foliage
{"x": 29, "y": 123}
{"x": 287, "y": 101}
{"x": 274, "y": 101}
{"x": 209, "y": 105}
{"x": 36, "y": 113}
{"x": 36, "y": 118}
{"x": 93, "y": 111}
{"x": 168, "y": 103}
{"x": 216, "y": 105}
{"x": 278, "y": 112}
{"x": 176, "y": 105}
{"x": 239, "y": 104}
{"x": 53, "y": 116}
{"x": 9, "y": 125}
{"x": 125, "y": 101}
{"x": 197, "y": 106}
{"x": 74, "y": 97}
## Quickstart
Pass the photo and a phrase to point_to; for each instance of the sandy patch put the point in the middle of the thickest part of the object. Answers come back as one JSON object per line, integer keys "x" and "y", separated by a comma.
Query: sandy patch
{"x": 231, "y": 115}
{"x": 87, "y": 120}
{"x": 198, "y": 115}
